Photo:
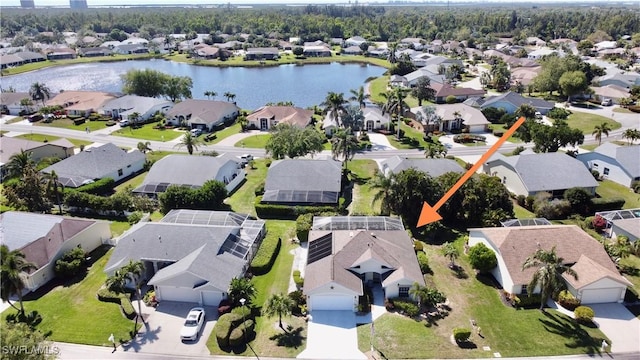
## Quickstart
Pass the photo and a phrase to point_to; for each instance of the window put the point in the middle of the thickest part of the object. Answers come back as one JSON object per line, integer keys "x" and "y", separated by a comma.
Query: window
{"x": 504, "y": 179}
{"x": 606, "y": 171}
{"x": 120, "y": 172}
{"x": 523, "y": 290}
{"x": 595, "y": 165}
{"x": 403, "y": 291}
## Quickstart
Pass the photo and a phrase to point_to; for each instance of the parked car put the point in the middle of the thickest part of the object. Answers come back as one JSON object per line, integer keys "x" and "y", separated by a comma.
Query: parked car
{"x": 192, "y": 324}
{"x": 244, "y": 159}
{"x": 538, "y": 115}
{"x": 35, "y": 117}
{"x": 606, "y": 102}
{"x": 196, "y": 132}
{"x": 124, "y": 123}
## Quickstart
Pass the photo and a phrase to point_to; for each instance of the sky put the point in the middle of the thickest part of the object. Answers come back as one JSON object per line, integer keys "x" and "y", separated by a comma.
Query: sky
{"x": 192, "y": 2}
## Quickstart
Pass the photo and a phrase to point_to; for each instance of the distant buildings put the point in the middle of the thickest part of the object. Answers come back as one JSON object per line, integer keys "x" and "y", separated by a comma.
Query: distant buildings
{"x": 27, "y": 4}
{"x": 78, "y": 4}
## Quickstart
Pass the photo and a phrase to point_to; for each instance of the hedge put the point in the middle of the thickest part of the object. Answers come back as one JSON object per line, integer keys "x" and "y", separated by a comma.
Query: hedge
{"x": 406, "y": 306}
{"x": 567, "y": 300}
{"x": 297, "y": 279}
{"x": 223, "y": 328}
{"x": 100, "y": 187}
{"x": 528, "y": 301}
{"x": 303, "y": 226}
{"x": 423, "y": 261}
{"x": 266, "y": 255}
{"x": 584, "y": 314}
{"x": 606, "y": 204}
{"x": 278, "y": 211}
{"x": 124, "y": 300}
{"x": 239, "y": 334}
{"x": 461, "y": 334}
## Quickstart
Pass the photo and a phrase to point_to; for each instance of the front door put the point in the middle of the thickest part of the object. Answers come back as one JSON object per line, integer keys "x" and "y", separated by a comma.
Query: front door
{"x": 369, "y": 125}
{"x": 263, "y": 124}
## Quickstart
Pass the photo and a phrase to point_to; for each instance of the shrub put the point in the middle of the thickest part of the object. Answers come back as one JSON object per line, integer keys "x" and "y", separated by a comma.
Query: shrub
{"x": 520, "y": 199}
{"x": 124, "y": 299}
{"x": 71, "y": 263}
{"x": 239, "y": 334}
{"x": 606, "y": 204}
{"x": 259, "y": 189}
{"x": 527, "y": 301}
{"x": 529, "y": 201}
{"x": 417, "y": 245}
{"x": 243, "y": 311}
{"x": 299, "y": 300}
{"x": 498, "y": 133}
{"x": 223, "y": 328}
{"x": 224, "y": 307}
{"x": 423, "y": 261}
{"x": 579, "y": 199}
{"x": 279, "y": 211}
{"x": 567, "y": 300}
{"x": 482, "y": 258}
{"x": 599, "y": 223}
{"x": 303, "y": 226}
{"x": 406, "y": 306}
{"x": 584, "y": 314}
{"x": 635, "y": 185}
{"x": 461, "y": 334}
{"x": 135, "y": 217}
{"x": 554, "y": 209}
{"x": 266, "y": 255}
{"x": 101, "y": 187}
{"x": 149, "y": 298}
{"x": 450, "y": 99}
{"x": 297, "y": 279}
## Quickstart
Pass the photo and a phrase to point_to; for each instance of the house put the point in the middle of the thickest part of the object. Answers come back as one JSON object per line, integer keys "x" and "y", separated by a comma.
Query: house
{"x": 43, "y": 239}
{"x": 316, "y": 51}
{"x": 534, "y": 40}
{"x": 444, "y": 90}
{"x": 60, "y": 53}
{"x": 598, "y": 279}
{"x": 511, "y": 101}
{"x": 398, "y": 81}
{"x": 529, "y": 173}
{"x": 614, "y": 162}
{"x": 10, "y": 103}
{"x": 267, "y": 117}
{"x": 303, "y": 182}
{"x": 348, "y": 253}
{"x": 450, "y": 117}
{"x": 60, "y": 148}
{"x": 355, "y": 41}
{"x": 626, "y": 80}
{"x": 105, "y": 161}
{"x": 20, "y": 58}
{"x": 206, "y": 52}
{"x": 538, "y": 54}
{"x": 270, "y": 53}
{"x": 524, "y": 75}
{"x": 374, "y": 119}
{"x": 415, "y": 76}
{"x": 352, "y": 50}
{"x": 433, "y": 167}
{"x": 192, "y": 172}
{"x": 191, "y": 255}
{"x": 202, "y": 114}
{"x": 94, "y": 51}
{"x": 128, "y": 49}
{"x": 630, "y": 228}
{"x": 10, "y": 60}
{"x": 144, "y": 106}
{"x": 613, "y": 92}
{"x": 80, "y": 103}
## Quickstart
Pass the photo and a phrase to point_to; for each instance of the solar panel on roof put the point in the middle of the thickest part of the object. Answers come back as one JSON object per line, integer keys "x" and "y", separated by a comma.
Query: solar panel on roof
{"x": 320, "y": 248}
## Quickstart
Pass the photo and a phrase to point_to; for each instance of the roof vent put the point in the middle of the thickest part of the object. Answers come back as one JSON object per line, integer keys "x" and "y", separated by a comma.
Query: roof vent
{"x": 373, "y": 234}
{"x": 350, "y": 234}
{"x": 159, "y": 238}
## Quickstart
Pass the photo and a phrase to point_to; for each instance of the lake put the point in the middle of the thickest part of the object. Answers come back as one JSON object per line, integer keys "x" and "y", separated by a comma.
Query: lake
{"x": 305, "y": 85}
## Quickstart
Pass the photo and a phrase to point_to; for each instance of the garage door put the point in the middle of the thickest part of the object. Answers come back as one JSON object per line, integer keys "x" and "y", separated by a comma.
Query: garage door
{"x": 211, "y": 298}
{"x": 171, "y": 293}
{"x": 595, "y": 296}
{"x": 332, "y": 302}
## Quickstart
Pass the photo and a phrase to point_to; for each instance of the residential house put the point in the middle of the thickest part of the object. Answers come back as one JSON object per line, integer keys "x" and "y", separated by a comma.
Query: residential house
{"x": 20, "y": 58}
{"x": 270, "y": 53}
{"x": 191, "y": 255}
{"x": 416, "y": 43}
{"x": 336, "y": 41}
{"x": 9, "y": 146}
{"x": 267, "y": 117}
{"x": 414, "y": 77}
{"x": 355, "y": 41}
{"x": 445, "y": 90}
{"x": 348, "y": 253}
{"x": 620, "y": 164}
{"x": 373, "y": 119}
{"x": 303, "y": 182}
{"x": 613, "y": 92}
{"x": 191, "y": 172}
{"x": 61, "y": 53}
{"x": 538, "y": 54}
{"x": 511, "y": 101}
{"x": 524, "y": 75}
{"x": 450, "y": 117}
{"x": 607, "y": 44}
{"x": 433, "y": 167}
{"x": 94, "y": 51}
{"x": 352, "y": 50}
{"x": 105, "y": 161}
{"x": 316, "y": 51}
{"x": 10, "y": 103}
{"x": 534, "y": 40}
{"x": 202, "y": 114}
{"x": 129, "y": 49}
{"x": 529, "y": 173}
{"x": 145, "y": 107}
{"x": 80, "y": 103}
{"x": 598, "y": 279}
{"x": 206, "y": 52}
{"x": 10, "y": 60}
{"x": 398, "y": 81}
{"x": 43, "y": 239}
{"x": 626, "y": 80}
{"x": 629, "y": 228}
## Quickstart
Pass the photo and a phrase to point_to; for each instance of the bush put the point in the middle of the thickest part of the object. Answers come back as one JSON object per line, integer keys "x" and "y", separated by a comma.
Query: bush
{"x": 299, "y": 300}
{"x": 71, "y": 263}
{"x": 599, "y": 223}
{"x": 520, "y": 199}
{"x": 527, "y": 301}
{"x": 552, "y": 210}
{"x": 595, "y": 174}
{"x": 606, "y": 204}
{"x": 123, "y": 299}
{"x": 239, "y": 334}
{"x": 482, "y": 258}
{"x": 259, "y": 189}
{"x": 279, "y": 211}
{"x": 461, "y": 334}
{"x": 266, "y": 255}
{"x": 303, "y": 226}
{"x": 635, "y": 185}
{"x": 297, "y": 279}
{"x": 406, "y": 306}
{"x": 450, "y": 99}
{"x": 224, "y": 326}
{"x": 224, "y": 307}
{"x": 423, "y": 261}
{"x": 498, "y": 133}
{"x": 579, "y": 198}
{"x": 100, "y": 187}
{"x": 135, "y": 217}
{"x": 584, "y": 314}
{"x": 567, "y": 300}
{"x": 243, "y": 311}
{"x": 417, "y": 245}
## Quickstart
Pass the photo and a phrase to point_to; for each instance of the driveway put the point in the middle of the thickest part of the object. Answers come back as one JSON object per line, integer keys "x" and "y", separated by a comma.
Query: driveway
{"x": 332, "y": 335}
{"x": 161, "y": 333}
{"x": 620, "y": 326}
{"x": 379, "y": 142}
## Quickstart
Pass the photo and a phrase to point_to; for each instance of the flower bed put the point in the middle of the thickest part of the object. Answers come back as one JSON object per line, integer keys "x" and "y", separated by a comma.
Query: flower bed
{"x": 468, "y": 138}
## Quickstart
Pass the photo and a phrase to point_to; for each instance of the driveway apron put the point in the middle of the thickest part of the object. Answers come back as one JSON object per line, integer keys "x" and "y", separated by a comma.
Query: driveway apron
{"x": 619, "y": 325}
{"x": 332, "y": 335}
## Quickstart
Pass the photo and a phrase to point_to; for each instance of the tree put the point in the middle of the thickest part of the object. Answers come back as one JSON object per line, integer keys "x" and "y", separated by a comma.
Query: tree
{"x": 360, "y": 96}
{"x": 409, "y": 190}
{"x": 291, "y": 141}
{"x": 333, "y": 106}
{"x": 298, "y": 51}
{"x": 426, "y": 296}
{"x": 190, "y": 142}
{"x": 134, "y": 117}
{"x": 131, "y": 273}
{"x": 18, "y": 162}
{"x": 29, "y": 193}
{"x": 344, "y": 145}
{"x": 395, "y": 105}
{"x": 241, "y": 288}
{"x": 573, "y": 83}
{"x": 147, "y": 82}
{"x": 381, "y": 184}
{"x": 500, "y": 75}
{"x": 54, "y": 186}
{"x": 552, "y": 138}
{"x": 423, "y": 90}
{"x": 450, "y": 251}
{"x": 17, "y": 336}
{"x": 209, "y": 94}
{"x": 548, "y": 274}
{"x": 177, "y": 88}
{"x": 12, "y": 265}
{"x": 632, "y": 135}
{"x": 144, "y": 146}
{"x": 71, "y": 263}
{"x": 482, "y": 258}
{"x": 278, "y": 304}
{"x": 26, "y": 104}
{"x": 393, "y": 48}
{"x": 580, "y": 200}
{"x": 435, "y": 150}
{"x": 601, "y": 129}
{"x": 39, "y": 92}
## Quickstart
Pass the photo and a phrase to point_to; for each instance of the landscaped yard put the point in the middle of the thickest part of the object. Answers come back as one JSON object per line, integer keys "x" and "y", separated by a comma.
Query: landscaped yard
{"x": 409, "y": 133}
{"x": 45, "y": 138}
{"x": 610, "y": 189}
{"x": 243, "y": 198}
{"x": 505, "y": 330}
{"x": 133, "y": 182}
{"x": 226, "y": 132}
{"x": 254, "y": 141}
{"x": 363, "y": 194}
{"x": 586, "y": 122}
{"x": 67, "y": 123}
{"x": 72, "y": 313}
{"x": 147, "y": 132}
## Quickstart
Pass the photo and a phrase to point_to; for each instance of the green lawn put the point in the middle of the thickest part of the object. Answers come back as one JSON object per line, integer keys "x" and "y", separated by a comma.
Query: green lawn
{"x": 254, "y": 141}
{"x": 226, "y": 132}
{"x": 43, "y": 138}
{"x": 610, "y": 189}
{"x": 409, "y": 133}
{"x": 632, "y": 261}
{"x": 133, "y": 182}
{"x": 118, "y": 227}
{"x": 362, "y": 172}
{"x": 243, "y": 198}
{"x": 72, "y": 313}
{"x": 147, "y": 132}
{"x": 378, "y": 86}
{"x": 522, "y": 213}
{"x": 67, "y": 123}
{"x": 80, "y": 60}
{"x": 586, "y": 122}
{"x": 284, "y": 59}
{"x": 501, "y": 127}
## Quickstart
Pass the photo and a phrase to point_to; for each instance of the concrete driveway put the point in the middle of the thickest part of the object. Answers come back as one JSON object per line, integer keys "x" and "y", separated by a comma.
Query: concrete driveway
{"x": 620, "y": 326}
{"x": 332, "y": 335}
{"x": 161, "y": 333}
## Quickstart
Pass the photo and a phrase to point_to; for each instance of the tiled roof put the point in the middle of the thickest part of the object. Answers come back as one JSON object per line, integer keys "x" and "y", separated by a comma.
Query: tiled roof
{"x": 283, "y": 114}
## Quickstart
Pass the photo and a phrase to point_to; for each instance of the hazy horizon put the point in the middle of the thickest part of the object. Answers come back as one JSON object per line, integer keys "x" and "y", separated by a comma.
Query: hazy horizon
{"x": 92, "y": 3}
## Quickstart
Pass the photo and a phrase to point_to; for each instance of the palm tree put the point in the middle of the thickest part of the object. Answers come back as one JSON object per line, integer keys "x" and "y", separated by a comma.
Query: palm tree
{"x": 632, "y": 135}
{"x": 393, "y": 47}
{"x": 241, "y": 288}
{"x": 130, "y": 273}
{"x": 190, "y": 142}
{"x": 53, "y": 185}
{"x": 419, "y": 292}
{"x": 144, "y": 146}
{"x": 232, "y": 97}
{"x": 12, "y": 265}
{"x": 168, "y": 40}
{"x": 360, "y": 96}
{"x": 39, "y": 91}
{"x": 603, "y": 128}
{"x": 435, "y": 150}
{"x": 227, "y": 95}
{"x": 395, "y": 104}
{"x": 548, "y": 274}
{"x": 333, "y": 105}
{"x": 450, "y": 251}
{"x": 344, "y": 144}
{"x": 134, "y": 117}
{"x": 278, "y": 304}
{"x": 19, "y": 162}
{"x": 244, "y": 122}
{"x": 382, "y": 184}
{"x": 26, "y": 104}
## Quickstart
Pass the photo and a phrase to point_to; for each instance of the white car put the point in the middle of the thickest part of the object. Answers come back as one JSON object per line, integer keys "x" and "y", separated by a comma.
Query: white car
{"x": 192, "y": 324}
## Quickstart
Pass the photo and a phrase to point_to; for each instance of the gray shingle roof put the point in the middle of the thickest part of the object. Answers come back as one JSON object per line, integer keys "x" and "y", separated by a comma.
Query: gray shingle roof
{"x": 627, "y": 156}
{"x": 433, "y": 167}
{"x": 517, "y": 100}
{"x": 304, "y": 174}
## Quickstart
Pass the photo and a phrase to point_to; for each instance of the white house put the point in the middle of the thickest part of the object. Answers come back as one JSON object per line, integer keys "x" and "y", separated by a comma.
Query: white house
{"x": 202, "y": 114}
{"x": 614, "y": 162}
{"x": 598, "y": 279}
{"x": 145, "y": 107}
{"x": 43, "y": 239}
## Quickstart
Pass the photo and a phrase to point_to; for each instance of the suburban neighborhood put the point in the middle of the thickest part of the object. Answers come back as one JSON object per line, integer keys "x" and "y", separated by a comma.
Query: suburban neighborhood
{"x": 166, "y": 220}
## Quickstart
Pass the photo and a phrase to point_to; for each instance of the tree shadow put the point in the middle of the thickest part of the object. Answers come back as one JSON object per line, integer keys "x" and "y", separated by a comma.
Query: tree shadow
{"x": 459, "y": 271}
{"x": 488, "y": 280}
{"x": 576, "y": 336}
{"x": 467, "y": 345}
{"x": 148, "y": 335}
{"x": 292, "y": 338}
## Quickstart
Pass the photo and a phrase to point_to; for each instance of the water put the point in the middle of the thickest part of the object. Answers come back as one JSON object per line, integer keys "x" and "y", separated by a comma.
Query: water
{"x": 305, "y": 86}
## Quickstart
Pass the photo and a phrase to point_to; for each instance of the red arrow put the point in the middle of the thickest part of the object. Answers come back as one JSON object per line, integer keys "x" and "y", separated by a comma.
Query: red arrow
{"x": 429, "y": 213}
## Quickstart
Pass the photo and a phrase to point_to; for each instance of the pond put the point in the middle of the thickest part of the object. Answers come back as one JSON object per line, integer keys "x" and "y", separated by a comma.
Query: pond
{"x": 305, "y": 85}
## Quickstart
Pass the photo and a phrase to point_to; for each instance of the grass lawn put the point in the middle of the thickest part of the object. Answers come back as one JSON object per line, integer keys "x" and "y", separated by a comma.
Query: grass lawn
{"x": 147, "y": 132}
{"x": 67, "y": 123}
{"x": 254, "y": 141}
{"x": 610, "y": 189}
{"x": 506, "y": 330}
{"x": 501, "y": 127}
{"x": 226, "y": 132}
{"x": 522, "y": 213}
{"x": 284, "y": 59}
{"x": 633, "y": 262}
{"x": 134, "y": 182}
{"x": 118, "y": 227}
{"x": 586, "y": 122}
{"x": 43, "y": 138}
{"x": 48, "y": 63}
{"x": 378, "y": 86}
{"x": 243, "y": 198}
{"x": 72, "y": 313}
{"x": 362, "y": 172}
{"x": 409, "y": 133}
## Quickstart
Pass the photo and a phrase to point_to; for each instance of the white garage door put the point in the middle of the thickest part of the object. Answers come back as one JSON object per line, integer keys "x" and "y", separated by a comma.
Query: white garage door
{"x": 595, "y": 296}
{"x": 211, "y": 297}
{"x": 171, "y": 293}
{"x": 332, "y": 302}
